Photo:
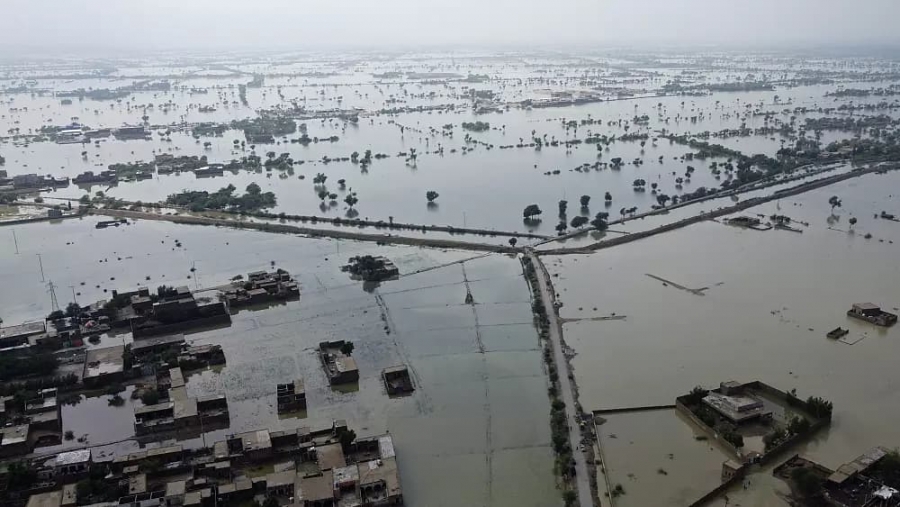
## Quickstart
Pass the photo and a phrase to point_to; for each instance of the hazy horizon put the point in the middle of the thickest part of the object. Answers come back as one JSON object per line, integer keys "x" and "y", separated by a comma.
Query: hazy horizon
{"x": 111, "y": 26}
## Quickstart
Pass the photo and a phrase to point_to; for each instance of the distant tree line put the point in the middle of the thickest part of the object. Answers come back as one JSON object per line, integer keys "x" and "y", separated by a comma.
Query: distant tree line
{"x": 224, "y": 199}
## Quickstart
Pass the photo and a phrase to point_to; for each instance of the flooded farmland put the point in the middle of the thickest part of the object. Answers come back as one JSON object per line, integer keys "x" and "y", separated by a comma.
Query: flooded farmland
{"x": 768, "y": 299}
{"x": 702, "y": 217}
{"x": 549, "y": 153}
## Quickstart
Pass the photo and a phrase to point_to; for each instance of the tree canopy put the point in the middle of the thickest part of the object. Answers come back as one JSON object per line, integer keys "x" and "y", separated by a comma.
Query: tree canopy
{"x": 531, "y": 211}
{"x": 224, "y": 199}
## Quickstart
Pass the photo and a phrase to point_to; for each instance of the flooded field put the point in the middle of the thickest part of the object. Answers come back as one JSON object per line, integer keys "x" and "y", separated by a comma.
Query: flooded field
{"x": 525, "y": 142}
{"x": 766, "y": 300}
{"x": 479, "y": 413}
{"x": 656, "y": 458}
{"x": 512, "y": 143}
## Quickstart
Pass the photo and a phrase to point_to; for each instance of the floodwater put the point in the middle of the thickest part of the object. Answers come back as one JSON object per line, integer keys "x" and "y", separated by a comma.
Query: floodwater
{"x": 657, "y": 459}
{"x": 768, "y": 300}
{"x": 476, "y": 429}
{"x": 478, "y": 186}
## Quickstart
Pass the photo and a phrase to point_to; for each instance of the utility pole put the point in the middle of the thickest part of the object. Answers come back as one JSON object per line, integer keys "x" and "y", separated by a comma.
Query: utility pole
{"x": 41, "y": 263}
{"x": 15, "y": 241}
{"x": 194, "y": 274}
{"x": 51, "y": 288}
{"x": 73, "y": 294}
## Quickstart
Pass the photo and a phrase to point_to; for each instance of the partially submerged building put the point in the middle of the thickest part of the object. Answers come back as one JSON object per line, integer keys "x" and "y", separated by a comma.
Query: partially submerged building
{"x": 371, "y": 268}
{"x": 104, "y": 366}
{"x": 87, "y": 177}
{"x": 14, "y": 440}
{"x": 174, "y": 312}
{"x": 308, "y": 468}
{"x": 13, "y": 336}
{"x": 291, "y": 396}
{"x": 858, "y": 466}
{"x": 865, "y": 481}
{"x": 72, "y": 465}
{"x": 262, "y": 287}
{"x": 44, "y": 417}
{"x": 737, "y": 407}
{"x": 734, "y": 410}
{"x": 156, "y": 345}
{"x": 339, "y": 366}
{"x": 125, "y": 133}
{"x": 872, "y": 313}
{"x": 180, "y": 411}
{"x": 397, "y": 380}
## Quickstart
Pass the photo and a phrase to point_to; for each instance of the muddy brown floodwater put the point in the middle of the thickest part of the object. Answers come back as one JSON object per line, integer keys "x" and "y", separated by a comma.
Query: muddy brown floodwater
{"x": 771, "y": 298}
{"x": 476, "y": 430}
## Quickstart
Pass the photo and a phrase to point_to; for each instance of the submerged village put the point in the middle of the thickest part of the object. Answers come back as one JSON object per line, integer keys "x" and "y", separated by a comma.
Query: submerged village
{"x": 512, "y": 279}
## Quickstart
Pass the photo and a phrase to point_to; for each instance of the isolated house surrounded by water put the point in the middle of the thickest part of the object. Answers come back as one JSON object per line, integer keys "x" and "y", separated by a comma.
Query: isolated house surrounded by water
{"x": 870, "y": 312}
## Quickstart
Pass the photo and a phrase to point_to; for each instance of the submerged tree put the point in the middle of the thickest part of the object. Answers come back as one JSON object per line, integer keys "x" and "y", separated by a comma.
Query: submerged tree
{"x": 835, "y": 202}
{"x": 73, "y": 310}
{"x": 431, "y": 195}
{"x": 599, "y": 221}
{"x": 579, "y": 221}
{"x": 351, "y": 199}
{"x": 808, "y": 483}
{"x": 531, "y": 211}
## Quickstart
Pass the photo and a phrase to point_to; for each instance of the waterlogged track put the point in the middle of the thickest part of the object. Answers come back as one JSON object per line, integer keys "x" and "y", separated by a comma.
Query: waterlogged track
{"x": 728, "y": 210}
{"x": 497, "y": 248}
{"x": 309, "y": 231}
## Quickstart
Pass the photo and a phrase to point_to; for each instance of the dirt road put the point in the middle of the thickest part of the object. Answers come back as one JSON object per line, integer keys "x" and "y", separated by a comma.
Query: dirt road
{"x": 566, "y": 387}
{"x": 309, "y": 231}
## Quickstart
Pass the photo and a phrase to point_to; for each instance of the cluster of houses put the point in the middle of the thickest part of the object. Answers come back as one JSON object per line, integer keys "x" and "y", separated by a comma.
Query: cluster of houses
{"x": 75, "y": 133}
{"x": 262, "y": 287}
{"x": 39, "y": 422}
{"x": 869, "y": 480}
{"x": 167, "y": 163}
{"x": 179, "y": 411}
{"x": 58, "y": 330}
{"x": 167, "y": 311}
{"x": 29, "y": 181}
{"x": 107, "y": 177}
{"x": 308, "y": 468}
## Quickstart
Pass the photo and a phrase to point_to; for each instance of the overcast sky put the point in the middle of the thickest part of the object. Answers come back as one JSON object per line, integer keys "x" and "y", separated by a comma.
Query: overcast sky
{"x": 312, "y": 24}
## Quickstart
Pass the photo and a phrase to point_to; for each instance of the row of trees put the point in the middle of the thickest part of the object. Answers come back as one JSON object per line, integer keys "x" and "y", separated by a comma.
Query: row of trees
{"x": 478, "y": 126}
{"x": 599, "y": 222}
